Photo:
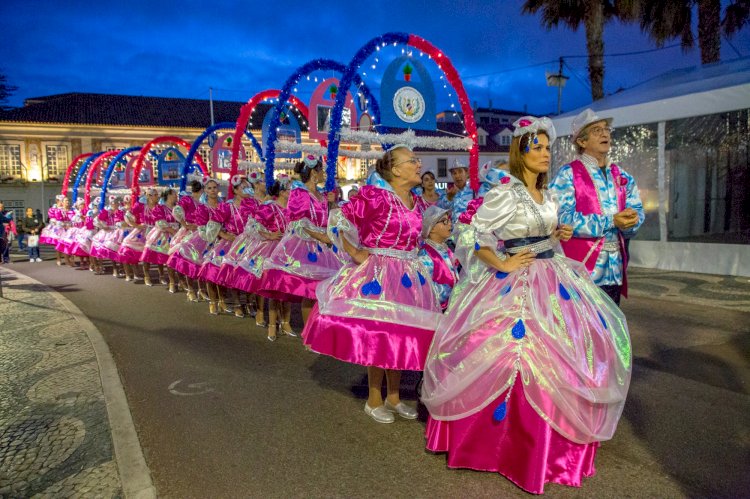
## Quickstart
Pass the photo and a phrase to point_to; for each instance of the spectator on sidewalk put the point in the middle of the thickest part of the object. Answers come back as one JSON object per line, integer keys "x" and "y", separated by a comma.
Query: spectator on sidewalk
{"x": 32, "y": 226}
{"x": 20, "y": 236}
{"x": 5, "y": 219}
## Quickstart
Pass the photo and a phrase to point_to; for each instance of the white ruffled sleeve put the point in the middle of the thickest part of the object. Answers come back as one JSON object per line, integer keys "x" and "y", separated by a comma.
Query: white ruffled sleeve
{"x": 498, "y": 208}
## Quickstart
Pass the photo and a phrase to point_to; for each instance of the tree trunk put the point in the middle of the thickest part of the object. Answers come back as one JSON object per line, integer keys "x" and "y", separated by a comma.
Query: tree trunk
{"x": 594, "y": 23}
{"x": 709, "y": 30}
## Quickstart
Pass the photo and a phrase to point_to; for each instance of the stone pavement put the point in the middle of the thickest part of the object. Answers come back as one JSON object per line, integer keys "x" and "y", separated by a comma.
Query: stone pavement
{"x": 56, "y": 439}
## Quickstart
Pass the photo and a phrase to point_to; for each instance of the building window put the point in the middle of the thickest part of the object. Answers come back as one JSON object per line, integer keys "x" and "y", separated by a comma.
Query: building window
{"x": 56, "y": 160}
{"x": 10, "y": 160}
{"x": 505, "y": 140}
{"x": 442, "y": 167}
{"x": 484, "y": 120}
{"x": 482, "y": 139}
{"x": 496, "y": 121}
{"x": 17, "y": 207}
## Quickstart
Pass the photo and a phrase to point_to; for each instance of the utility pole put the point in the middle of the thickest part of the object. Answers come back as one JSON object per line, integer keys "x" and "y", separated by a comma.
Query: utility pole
{"x": 557, "y": 80}
{"x": 211, "y": 103}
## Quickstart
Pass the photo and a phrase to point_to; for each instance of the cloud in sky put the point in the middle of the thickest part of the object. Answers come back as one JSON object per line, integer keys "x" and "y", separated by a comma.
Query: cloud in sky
{"x": 180, "y": 49}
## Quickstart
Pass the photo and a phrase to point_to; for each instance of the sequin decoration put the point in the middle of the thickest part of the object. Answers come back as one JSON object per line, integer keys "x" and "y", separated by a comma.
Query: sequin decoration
{"x": 372, "y": 288}
{"x": 476, "y": 246}
{"x": 422, "y": 280}
{"x": 405, "y": 281}
{"x": 500, "y": 412}
{"x": 501, "y": 275}
{"x": 252, "y": 262}
{"x": 335, "y": 249}
{"x": 312, "y": 256}
{"x": 140, "y": 236}
{"x": 601, "y": 318}
{"x": 242, "y": 250}
{"x": 126, "y": 233}
{"x": 519, "y": 330}
{"x": 505, "y": 290}
{"x": 563, "y": 292}
{"x": 221, "y": 253}
{"x": 335, "y": 231}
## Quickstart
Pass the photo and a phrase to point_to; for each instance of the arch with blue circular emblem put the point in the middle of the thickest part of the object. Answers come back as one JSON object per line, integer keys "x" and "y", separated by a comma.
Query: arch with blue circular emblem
{"x": 408, "y": 102}
{"x": 111, "y": 168}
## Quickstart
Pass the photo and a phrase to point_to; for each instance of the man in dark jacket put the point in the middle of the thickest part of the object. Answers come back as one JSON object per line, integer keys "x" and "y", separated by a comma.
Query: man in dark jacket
{"x": 32, "y": 225}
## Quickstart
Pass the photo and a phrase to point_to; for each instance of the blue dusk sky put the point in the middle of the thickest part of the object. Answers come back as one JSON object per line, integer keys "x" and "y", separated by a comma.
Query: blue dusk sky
{"x": 180, "y": 49}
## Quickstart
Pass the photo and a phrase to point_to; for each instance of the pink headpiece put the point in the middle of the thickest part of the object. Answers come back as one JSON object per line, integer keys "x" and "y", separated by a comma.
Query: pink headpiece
{"x": 254, "y": 177}
{"x": 236, "y": 180}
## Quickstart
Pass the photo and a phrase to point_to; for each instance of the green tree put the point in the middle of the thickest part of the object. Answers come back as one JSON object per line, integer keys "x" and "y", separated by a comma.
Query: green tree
{"x": 664, "y": 20}
{"x": 593, "y": 14}
{"x": 6, "y": 91}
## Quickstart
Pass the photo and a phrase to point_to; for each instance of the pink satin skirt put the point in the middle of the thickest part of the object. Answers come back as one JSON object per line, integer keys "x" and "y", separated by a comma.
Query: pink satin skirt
{"x": 280, "y": 285}
{"x": 522, "y": 447}
{"x": 368, "y": 342}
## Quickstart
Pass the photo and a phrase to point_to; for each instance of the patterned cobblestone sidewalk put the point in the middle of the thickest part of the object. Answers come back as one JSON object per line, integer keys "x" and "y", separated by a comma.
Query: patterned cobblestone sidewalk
{"x": 55, "y": 433}
{"x": 701, "y": 289}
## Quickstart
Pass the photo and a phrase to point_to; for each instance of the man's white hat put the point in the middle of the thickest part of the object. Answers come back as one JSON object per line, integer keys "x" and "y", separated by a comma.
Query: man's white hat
{"x": 456, "y": 165}
{"x": 587, "y": 117}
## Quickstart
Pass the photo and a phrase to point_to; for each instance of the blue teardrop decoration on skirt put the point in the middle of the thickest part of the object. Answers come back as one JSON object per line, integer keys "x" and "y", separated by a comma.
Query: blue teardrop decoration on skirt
{"x": 252, "y": 262}
{"x": 376, "y": 289}
{"x": 505, "y": 290}
{"x": 140, "y": 236}
{"x": 205, "y": 252}
{"x": 499, "y": 413}
{"x": 222, "y": 253}
{"x": 242, "y": 250}
{"x": 601, "y": 318}
{"x": 125, "y": 234}
{"x": 335, "y": 249}
{"x": 312, "y": 256}
{"x": 422, "y": 280}
{"x": 501, "y": 275}
{"x": 476, "y": 246}
{"x": 564, "y": 292}
{"x": 405, "y": 281}
{"x": 519, "y": 330}
{"x": 335, "y": 231}
{"x": 320, "y": 250}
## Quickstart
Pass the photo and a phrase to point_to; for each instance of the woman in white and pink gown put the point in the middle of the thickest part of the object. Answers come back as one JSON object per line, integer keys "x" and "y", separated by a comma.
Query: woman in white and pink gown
{"x": 531, "y": 363}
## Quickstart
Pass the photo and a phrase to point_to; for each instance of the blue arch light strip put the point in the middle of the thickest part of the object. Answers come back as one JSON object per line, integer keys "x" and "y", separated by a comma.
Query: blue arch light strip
{"x": 226, "y": 125}
{"x": 286, "y": 90}
{"x": 110, "y": 169}
{"x": 81, "y": 172}
{"x": 347, "y": 78}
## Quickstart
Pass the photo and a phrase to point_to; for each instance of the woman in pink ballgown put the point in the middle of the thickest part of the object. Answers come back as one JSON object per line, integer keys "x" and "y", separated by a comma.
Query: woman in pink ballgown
{"x": 231, "y": 218}
{"x": 302, "y": 258}
{"x": 140, "y": 218}
{"x": 106, "y": 223}
{"x": 379, "y": 310}
{"x": 84, "y": 236}
{"x": 51, "y": 232}
{"x": 186, "y": 214}
{"x": 531, "y": 363}
{"x": 156, "y": 247}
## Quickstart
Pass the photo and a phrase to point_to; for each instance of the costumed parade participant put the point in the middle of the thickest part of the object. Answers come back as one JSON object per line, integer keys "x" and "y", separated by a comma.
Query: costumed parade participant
{"x": 84, "y": 237}
{"x": 106, "y": 223}
{"x": 189, "y": 257}
{"x": 302, "y": 258}
{"x": 429, "y": 193}
{"x": 140, "y": 219}
{"x": 457, "y": 197}
{"x": 186, "y": 213}
{"x": 263, "y": 231}
{"x": 531, "y": 363}
{"x": 435, "y": 255}
{"x": 156, "y": 247}
{"x": 51, "y": 232}
{"x": 65, "y": 217}
{"x": 602, "y": 203}
{"x": 231, "y": 218}
{"x": 379, "y": 310}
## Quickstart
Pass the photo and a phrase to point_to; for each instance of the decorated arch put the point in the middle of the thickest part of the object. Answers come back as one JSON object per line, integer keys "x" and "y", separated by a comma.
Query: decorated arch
{"x": 69, "y": 170}
{"x": 121, "y": 155}
{"x": 92, "y": 172}
{"x": 341, "y": 96}
{"x": 244, "y": 118}
{"x": 175, "y": 141}
{"x": 227, "y": 125}
{"x": 82, "y": 171}
{"x": 443, "y": 63}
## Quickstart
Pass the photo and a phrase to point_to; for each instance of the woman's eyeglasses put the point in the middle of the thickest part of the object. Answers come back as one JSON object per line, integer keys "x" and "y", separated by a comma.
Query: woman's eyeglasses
{"x": 416, "y": 161}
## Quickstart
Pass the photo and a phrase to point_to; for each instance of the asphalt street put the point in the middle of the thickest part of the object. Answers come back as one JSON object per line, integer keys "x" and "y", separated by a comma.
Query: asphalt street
{"x": 222, "y": 412}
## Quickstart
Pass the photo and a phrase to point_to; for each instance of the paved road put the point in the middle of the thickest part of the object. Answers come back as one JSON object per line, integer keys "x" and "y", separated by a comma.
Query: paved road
{"x": 221, "y": 412}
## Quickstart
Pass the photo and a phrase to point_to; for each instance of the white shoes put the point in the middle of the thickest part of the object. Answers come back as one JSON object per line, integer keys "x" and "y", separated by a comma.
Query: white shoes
{"x": 31, "y": 260}
{"x": 38, "y": 259}
{"x": 380, "y": 414}
{"x": 403, "y": 410}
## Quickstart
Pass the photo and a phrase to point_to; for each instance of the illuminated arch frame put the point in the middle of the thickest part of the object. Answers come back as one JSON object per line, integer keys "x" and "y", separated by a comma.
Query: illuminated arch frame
{"x": 83, "y": 170}
{"x": 69, "y": 170}
{"x": 110, "y": 169}
{"x": 302, "y": 71}
{"x": 135, "y": 187}
{"x": 227, "y": 125}
{"x": 444, "y": 64}
{"x": 93, "y": 169}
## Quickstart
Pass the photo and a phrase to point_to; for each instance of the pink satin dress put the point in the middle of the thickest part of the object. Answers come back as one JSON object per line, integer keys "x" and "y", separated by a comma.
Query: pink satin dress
{"x": 191, "y": 252}
{"x": 382, "y": 312}
{"x": 133, "y": 245}
{"x": 158, "y": 239}
{"x": 232, "y": 219}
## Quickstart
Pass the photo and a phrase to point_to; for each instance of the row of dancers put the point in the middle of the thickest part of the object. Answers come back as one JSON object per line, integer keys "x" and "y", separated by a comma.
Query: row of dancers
{"x": 526, "y": 361}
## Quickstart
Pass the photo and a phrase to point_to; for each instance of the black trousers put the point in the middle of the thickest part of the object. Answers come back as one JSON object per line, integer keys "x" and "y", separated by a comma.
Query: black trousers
{"x": 614, "y": 291}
